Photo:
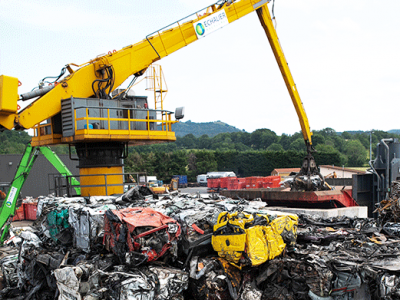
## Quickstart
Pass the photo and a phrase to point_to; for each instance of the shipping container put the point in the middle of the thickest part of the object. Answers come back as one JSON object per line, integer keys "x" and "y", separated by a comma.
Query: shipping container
{"x": 183, "y": 183}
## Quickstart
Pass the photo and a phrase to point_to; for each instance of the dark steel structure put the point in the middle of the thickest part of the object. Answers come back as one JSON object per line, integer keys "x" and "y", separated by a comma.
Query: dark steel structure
{"x": 37, "y": 182}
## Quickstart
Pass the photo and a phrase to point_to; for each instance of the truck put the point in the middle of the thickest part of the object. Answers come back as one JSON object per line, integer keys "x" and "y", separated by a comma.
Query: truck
{"x": 202, "y": 179}
{"x": 152, "y": 181}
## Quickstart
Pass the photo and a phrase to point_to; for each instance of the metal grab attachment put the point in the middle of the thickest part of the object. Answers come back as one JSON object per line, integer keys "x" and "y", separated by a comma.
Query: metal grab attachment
{"x": 309, "y": 178}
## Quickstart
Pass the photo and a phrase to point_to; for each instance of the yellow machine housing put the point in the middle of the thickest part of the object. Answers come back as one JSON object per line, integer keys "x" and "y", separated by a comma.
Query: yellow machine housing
{"x": 106, "y": 181}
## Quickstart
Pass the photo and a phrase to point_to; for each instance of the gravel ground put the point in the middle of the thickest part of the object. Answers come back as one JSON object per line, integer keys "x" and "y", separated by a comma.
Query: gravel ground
{"x": 194, "y": 190}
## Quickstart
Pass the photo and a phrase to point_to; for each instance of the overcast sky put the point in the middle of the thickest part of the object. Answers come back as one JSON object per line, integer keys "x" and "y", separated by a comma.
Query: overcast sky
{"x": 344, "y": 57}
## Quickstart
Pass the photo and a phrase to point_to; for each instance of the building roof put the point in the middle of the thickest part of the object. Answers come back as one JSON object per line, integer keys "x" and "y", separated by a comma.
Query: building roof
{"x": 353, "y": 170}
{"x": 287, "y": 170}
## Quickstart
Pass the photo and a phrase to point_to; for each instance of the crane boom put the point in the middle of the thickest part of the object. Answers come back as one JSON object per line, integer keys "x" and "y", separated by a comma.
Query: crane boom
{"x": 266, "y": 22}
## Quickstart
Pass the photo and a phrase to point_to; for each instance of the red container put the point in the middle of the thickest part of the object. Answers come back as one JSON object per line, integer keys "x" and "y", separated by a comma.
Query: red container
{"x": 242, "y": 183}
{"x": 232, "y": 181}
{"x": 19, "y": 214}
{"x": 259, "y": 182}
{"x": 254, "y": 182}
{"x": 210, "y": 182}
{"x": 213, "y": 183}
{"x": 30, "y": 211}
{"x": 272, "y": 182}
{"x": 276, "y": 181}
{"x": 224, "y": 182}
{"x": 248, "y": 182}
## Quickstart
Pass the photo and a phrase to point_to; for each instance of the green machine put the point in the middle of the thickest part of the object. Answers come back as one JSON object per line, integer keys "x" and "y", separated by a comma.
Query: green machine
{"x": 28, "y": 159}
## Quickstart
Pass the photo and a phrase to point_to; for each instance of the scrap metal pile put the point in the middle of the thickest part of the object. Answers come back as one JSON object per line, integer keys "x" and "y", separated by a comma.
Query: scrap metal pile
{"x": 183, "y": 246}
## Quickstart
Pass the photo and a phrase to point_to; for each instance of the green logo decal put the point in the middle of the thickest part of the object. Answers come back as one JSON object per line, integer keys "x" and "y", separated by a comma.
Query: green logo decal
{"x": 200, "y": 29}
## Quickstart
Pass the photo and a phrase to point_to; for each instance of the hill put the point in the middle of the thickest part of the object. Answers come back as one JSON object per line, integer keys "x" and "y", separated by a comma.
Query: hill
{"x": 198, "y": 129}
{"x": 395, "y": 131}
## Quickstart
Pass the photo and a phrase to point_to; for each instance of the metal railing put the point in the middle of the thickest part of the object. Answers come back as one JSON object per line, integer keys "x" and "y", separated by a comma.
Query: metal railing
{"x": 60, "y": 185}
{"x": 194, "y": 17}
{"x": 126, "y": 124}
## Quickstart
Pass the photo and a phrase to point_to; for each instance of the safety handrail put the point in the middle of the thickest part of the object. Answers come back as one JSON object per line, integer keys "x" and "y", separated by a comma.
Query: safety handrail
{"x": 165, "y": 123}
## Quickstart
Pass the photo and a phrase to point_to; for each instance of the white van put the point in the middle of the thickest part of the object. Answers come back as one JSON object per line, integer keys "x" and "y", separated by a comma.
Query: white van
{"x": 202, "y": 179}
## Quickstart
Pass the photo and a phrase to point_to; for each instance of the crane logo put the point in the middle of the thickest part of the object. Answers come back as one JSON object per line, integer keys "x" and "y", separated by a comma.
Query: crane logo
{"x": 11, "y": 196}
{"x": 211, "y": 23}
{"x": 200, "y": 29}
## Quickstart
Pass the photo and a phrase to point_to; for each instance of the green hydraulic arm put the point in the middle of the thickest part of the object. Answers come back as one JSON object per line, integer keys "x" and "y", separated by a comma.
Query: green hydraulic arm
{"x": 28, "y": 159}
{"x": 60, "y": 167}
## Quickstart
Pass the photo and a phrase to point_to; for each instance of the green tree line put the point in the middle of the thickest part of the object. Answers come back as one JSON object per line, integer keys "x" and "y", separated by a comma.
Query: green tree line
{"x": 251, "y": 154}
{"x": 247, "y": 154}
{"x": 243, "y": 163}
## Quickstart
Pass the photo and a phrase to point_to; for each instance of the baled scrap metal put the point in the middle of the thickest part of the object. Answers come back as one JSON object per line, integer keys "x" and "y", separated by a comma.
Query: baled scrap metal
{"x": 337, "y": 258}
{"x": 197, "y": 220}
{"x": 9, "y": 270}
{"x": 213, "y": 278}
{"x": 172, "y": 282}
{"x": 88, "y": 223}
{"x": 68, "y": 280}
{"x": 252, "y": 239}
{"x": 147, "y": 232}
{"x": 76, "y": 221}
{"x": 292, "y": 279}
{"x": 57, "y": 220}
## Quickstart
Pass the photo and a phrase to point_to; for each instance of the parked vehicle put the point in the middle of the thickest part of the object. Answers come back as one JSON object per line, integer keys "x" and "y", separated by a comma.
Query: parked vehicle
{"x": 152, "y": 181}
{"x": 202, "y": 179}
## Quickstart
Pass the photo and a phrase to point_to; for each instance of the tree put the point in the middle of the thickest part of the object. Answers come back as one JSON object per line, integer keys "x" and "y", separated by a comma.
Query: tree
{"x": 204, "y": 142}
{"x": 187, "y": 142}
{"x": 318, "y": 139}
{"x": 206, "y": 162}
{"x": 262, "y": 138}
{"x": 325, "y": 148}
{"x": 275, "y": 147}
{"x": 327, "y": 132}
{"x": 298, "y": 145}
{"x": 346, "y": 135}
{"x": 285, "y": 141}
{"x": 356, "y": 153}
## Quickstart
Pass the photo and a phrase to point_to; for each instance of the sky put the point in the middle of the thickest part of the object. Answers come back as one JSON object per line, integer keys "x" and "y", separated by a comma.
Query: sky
{"x": 343, "y": 55}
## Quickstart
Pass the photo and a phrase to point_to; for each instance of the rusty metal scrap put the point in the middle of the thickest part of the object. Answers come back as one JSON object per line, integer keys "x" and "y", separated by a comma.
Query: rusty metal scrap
{"x": 161, "y": 249}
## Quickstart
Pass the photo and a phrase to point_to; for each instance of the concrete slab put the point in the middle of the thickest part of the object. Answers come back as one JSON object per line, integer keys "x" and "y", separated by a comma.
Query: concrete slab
{"x": 351, "y": 212}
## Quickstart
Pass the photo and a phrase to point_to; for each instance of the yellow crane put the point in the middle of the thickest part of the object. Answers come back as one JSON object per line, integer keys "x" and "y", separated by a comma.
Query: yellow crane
{"x": 78, "y": 108}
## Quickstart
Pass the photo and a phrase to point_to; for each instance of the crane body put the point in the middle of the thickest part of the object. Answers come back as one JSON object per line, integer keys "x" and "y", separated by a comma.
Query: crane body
{"x": 78, "y": 109}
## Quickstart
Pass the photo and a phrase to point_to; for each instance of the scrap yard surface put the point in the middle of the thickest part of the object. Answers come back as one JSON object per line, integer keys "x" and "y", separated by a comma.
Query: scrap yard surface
{"x": 197, "y": 246}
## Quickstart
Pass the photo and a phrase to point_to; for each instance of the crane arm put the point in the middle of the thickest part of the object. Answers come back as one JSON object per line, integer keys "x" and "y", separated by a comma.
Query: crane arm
{"x": 309, "y": 167}
{"x": 266, "y": 22}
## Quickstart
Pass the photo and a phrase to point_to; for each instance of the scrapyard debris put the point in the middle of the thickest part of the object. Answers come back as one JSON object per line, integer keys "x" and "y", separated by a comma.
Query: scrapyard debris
{"x": 300, "y": 183}
{"x": 184, "y": 246}
{"x": 145, "y": 233}
{"x": 389, "y": 209}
